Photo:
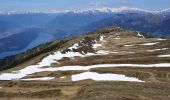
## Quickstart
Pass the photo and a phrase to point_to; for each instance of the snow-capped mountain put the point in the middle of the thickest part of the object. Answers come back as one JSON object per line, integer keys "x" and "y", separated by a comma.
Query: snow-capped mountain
{"x": 87, "y": 11}
{"x": 165, "y": 12}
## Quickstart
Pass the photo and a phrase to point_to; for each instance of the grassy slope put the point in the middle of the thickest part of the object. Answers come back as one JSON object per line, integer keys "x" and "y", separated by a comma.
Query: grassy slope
{"x": 156, "y": 87}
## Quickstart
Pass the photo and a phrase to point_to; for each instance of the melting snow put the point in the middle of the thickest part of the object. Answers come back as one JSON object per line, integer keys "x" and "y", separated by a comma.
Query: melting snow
{"x": 144, "y": 44}
{"x": 43, "y": 78}
{"x": 128, "y": 45}
{"x": 158, "y": 49}
{"x": 101, "y": 38}
{"x": 161, "y": 39}
{"x": 34, "y": 68}
{"x": 96, "y": 45}
{"x": 140, "y": 35}
{"x": 47, "y": 61}
{"x": 63, "y": 77}
{"x": 117, "y": 38}
{"x": 168, "y": 55}
{"x": 75, "y": 46}
{"x": 149, "y": 44}
{"x": 103, "y": 77}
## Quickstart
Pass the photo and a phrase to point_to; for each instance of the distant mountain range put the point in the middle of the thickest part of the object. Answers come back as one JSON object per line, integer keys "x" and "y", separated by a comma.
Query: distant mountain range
{"x": 87, "y": 11}
{"x": 20, "y": 31}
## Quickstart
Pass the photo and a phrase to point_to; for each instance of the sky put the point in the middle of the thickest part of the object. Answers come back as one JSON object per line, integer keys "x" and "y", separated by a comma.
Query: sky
{"x": 45, "y": 5}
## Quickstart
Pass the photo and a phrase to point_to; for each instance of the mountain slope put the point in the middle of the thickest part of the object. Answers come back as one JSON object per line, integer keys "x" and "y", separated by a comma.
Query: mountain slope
{"x": 156, "y": 25}
{"x": 111, "y": 63}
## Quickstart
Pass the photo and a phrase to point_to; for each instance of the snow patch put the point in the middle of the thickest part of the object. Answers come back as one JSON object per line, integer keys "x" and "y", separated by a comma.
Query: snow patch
{"x": 62, "y": 77}
{"x": 97, "y": 45}
{"x": 161, "y": 39}
{"x": 128, "y": 45}
{"x": 101, "y": 38}
{"x": 75, "y": 46}
{"x": 35, "y": 68}
{"x": 103, "y": 77}
{"x": 47, "y": 61}
{"x": 149, "y": 44}
{"x": 53, "y": 58}
{"x": 158, "y": 49}
{"x": 117, "y": 38}
{"x": 144, "y": 44}
{"x": 140, "y": 35}
{"x": 168, "y": 55}
{"x": 43, "y": 79}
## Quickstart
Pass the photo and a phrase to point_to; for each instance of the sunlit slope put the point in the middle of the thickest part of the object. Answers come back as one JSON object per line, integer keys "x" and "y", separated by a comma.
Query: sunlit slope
{"x": 106, "y": 64}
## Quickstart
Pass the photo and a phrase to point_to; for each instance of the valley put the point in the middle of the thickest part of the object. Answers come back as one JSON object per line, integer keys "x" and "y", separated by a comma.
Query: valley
{"x": 66, "y": 24}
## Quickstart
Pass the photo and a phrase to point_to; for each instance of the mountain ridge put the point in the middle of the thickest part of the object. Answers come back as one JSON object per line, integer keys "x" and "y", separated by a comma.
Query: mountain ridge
{"x": 92, "y": 10}
{"x": 43, "y": 48}
{"x": 17, "y": 59}
{"x": 111, "y": 63}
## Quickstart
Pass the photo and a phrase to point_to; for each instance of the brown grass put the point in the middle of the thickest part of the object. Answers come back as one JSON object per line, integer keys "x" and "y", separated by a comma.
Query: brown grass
{"x": 147, "y": 74}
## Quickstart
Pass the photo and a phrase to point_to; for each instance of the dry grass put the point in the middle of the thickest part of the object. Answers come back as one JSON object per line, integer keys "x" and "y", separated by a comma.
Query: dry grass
{"x": 90, "y": 90}
{"x": 56, "y": 74}
{"x": 147, "y": 74}
{"x": 156, "y": 87}
{"x": 124, "y": 91}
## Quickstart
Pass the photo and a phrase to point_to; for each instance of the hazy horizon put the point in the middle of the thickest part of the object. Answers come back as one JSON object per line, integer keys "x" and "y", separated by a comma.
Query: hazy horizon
{"x": 46, "y": 5}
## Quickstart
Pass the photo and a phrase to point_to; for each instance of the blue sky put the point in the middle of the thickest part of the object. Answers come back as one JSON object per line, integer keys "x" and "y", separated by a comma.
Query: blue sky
{"x": 7, "y": 5}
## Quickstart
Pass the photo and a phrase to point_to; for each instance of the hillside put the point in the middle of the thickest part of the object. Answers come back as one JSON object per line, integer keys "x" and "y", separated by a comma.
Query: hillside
{"x": 109, "y": 64}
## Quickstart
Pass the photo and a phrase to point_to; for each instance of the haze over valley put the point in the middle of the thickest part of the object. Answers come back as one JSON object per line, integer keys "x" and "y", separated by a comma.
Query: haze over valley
{"x": 21, "y": 31}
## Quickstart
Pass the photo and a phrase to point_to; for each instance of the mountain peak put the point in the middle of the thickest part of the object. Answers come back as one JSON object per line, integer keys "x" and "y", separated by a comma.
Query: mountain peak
{"x": 109, "y": 10}
{"x": 91, "y": 10}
